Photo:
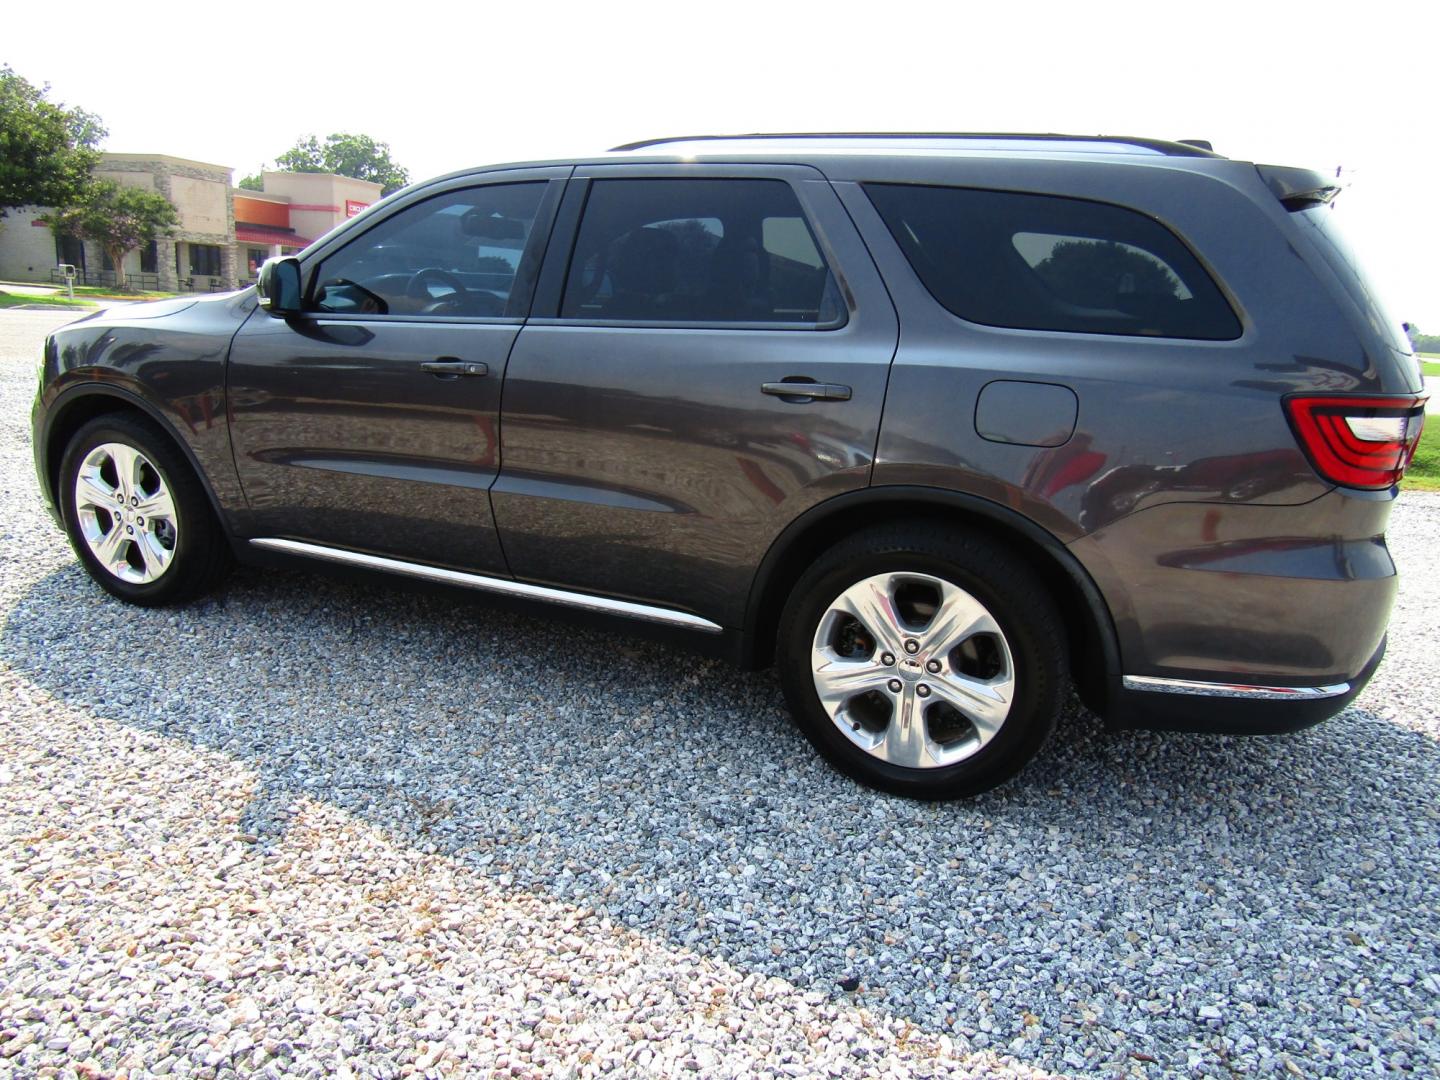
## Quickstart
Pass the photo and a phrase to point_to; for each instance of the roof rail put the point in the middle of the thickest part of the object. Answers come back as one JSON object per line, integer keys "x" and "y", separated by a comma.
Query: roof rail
{"x": 1187, "y": 148}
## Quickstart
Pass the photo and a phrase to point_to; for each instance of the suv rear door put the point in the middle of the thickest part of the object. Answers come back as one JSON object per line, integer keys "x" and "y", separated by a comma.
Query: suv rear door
{"x": 647, "y": 450}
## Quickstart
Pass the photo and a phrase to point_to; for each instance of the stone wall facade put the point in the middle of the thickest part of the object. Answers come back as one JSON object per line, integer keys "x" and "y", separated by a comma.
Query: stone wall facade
{"x": 204, "y": 202}
{"x": 293, "y": 210}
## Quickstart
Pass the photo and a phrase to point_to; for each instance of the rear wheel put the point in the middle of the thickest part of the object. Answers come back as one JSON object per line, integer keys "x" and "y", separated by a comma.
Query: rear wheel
{"x": 923, "y": 661}
{"x": 136, "y": 514}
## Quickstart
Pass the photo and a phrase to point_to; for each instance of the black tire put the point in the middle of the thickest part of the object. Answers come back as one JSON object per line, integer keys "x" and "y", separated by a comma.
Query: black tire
{"x": 1027, "y": 619}
{"x": 199, "y": 556}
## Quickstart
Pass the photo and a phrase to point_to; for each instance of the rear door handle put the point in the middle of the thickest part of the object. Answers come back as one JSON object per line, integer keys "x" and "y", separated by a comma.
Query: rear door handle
{"x": 452, "y": 368}
{"x": 818, "y": 390}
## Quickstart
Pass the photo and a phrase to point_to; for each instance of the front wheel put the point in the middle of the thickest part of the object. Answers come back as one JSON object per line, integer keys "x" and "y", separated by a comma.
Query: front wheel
{"x": 923, "y": 661}
{"x": 136, "y": 514}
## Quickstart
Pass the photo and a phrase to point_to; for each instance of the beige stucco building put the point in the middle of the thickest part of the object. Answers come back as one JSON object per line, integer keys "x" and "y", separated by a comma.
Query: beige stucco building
{"x": 224, "y": 233}
{"x": 293, "y": 210}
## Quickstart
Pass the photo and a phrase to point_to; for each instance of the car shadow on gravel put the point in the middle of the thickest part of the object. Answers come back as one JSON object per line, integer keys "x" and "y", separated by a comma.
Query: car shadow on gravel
{"x": 1125, "y": 882}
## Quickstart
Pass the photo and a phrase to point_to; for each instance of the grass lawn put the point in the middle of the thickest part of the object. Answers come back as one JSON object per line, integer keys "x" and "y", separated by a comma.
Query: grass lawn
{"x": 100, "y": 293}
{"x": 1424, "y": 471}
{"x": 85, "y": 297}
{"x": 1430, "y": 364}
{"x": 9, "y": 300}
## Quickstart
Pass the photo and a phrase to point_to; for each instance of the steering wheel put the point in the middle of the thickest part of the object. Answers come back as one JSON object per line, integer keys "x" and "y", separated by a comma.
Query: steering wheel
{"x": 418, "y": 287}
{"x": 459, "y": 301}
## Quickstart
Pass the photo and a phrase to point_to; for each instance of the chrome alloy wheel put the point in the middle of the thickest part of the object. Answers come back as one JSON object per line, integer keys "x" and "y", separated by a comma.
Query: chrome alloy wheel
{"x": 126, "y": 513}
{"x": 913, "y": 670}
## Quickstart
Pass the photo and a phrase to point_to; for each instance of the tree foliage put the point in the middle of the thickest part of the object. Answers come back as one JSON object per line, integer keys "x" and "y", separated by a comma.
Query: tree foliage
{"x": 253, "y": 182}
{"x": 46, "y": 150}
{"x": 119, "y": 219}
{"x": 1426, "y": 343}
{"x": 1095, "y": 272}
{"x": 357, "y": 156}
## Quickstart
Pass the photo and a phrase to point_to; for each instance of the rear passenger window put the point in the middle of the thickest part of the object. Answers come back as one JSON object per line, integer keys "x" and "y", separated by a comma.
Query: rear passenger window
{"x": 707, "y": 251}
{"x": 1041, "y": 262}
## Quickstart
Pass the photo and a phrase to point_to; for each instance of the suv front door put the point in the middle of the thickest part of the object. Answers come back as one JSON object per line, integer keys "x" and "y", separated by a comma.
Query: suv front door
{"x": 649, "y": 448}
{"x": 370, "y": 422}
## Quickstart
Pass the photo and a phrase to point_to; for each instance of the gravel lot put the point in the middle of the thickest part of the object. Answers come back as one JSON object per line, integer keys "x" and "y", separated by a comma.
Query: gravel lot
{"x": 316, "y": 829}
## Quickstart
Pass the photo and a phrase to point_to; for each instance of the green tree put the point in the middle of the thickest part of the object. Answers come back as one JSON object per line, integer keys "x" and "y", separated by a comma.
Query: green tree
{"x": 357, "y": 156}
{"x": 1095, "y": 272}
{"x": 118, "y": 218}
{"x": 1422, "y": 342}
{"x": 251, "y": 183}
{"x": 46, "y": 150}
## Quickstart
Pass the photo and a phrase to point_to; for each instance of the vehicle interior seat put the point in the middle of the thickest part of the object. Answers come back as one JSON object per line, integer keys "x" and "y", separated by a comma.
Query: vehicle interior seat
{"x": 643, "y": 274}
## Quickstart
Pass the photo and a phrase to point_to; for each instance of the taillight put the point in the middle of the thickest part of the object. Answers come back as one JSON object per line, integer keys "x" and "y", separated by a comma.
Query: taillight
{"x": 1360, "y": 442}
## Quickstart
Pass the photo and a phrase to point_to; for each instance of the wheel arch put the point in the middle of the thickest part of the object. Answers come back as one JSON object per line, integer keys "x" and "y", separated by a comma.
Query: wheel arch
{"x": 78, "y": 405}
{"x": 1089, "y": 624}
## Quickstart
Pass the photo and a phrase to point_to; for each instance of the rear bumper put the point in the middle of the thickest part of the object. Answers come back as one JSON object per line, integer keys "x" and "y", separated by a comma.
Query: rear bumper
{"x": 1230, "y": 708}
{"x": 1243, "y": 618}
{"x": 1257, "y": 595}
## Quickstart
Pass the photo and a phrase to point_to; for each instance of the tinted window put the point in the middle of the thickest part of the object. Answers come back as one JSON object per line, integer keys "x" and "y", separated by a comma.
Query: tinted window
{"x": 711, "y": 251}
{"x": 69, "y": 249}
{"x": 455, "y": 255}
{"x": 1320, "y": 222}
{"x": 1039, "y": 262}
{"x": 204, "y": 260}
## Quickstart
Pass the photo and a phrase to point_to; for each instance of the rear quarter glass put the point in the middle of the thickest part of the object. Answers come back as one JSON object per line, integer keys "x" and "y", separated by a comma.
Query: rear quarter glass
{"x": 1044, "y": 262}
{"x": 1320, "y": 223}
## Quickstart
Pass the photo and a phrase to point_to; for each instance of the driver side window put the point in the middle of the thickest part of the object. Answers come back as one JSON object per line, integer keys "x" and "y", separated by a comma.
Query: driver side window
{"x": 452, "y": 256}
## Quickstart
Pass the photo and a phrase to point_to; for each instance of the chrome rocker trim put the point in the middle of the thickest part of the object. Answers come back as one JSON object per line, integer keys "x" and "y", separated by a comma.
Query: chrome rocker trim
{"x": 494, "y": 585}
{"x": 1234, "y": 690}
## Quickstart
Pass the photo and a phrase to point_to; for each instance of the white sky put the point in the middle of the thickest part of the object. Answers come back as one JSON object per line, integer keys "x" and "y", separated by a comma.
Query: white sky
{"x": 450, "y": 85}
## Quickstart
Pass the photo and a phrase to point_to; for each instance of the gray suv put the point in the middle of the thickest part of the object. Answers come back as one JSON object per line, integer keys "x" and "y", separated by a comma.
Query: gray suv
{"x": 943, "y": 426}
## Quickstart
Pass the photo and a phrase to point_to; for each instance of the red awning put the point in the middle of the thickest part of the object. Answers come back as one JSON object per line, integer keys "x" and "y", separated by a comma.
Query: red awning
{"x": 266, "y": 234}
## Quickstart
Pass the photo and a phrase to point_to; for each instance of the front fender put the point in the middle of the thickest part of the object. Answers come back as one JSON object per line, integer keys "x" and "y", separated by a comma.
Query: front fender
{"x": 171, "y": 368}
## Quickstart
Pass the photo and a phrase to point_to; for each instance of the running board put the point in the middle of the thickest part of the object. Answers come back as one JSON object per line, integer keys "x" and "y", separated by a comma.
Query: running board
{"x": 563, "y": 597}
{"x": 1234, "y": 690}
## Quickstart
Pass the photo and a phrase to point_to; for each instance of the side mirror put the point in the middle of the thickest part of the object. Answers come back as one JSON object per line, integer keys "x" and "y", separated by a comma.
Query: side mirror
{"x": 278, "y": 285}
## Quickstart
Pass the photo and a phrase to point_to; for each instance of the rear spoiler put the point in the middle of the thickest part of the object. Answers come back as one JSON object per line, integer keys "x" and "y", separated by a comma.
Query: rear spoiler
{"x": 1298, "y": 189}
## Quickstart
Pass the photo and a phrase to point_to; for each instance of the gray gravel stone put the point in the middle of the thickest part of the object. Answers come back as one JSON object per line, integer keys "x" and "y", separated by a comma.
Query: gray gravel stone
{"x": 313, "y": 829}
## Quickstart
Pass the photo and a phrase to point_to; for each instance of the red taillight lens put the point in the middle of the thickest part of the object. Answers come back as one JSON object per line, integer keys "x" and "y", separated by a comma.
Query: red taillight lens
{"x": 1360, "y": 442}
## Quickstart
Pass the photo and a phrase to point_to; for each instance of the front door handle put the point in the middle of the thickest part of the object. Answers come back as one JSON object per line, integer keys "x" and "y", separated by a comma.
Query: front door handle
{"x": 816, "y": 390}
{"x": 452, "y": 368}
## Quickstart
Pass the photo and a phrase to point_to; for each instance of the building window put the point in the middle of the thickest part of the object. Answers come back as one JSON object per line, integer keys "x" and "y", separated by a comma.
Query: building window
{"x": 254, "y": 258}
{"x": 69, "y": 249}
{"x": 149, "y": 258}
{"x": 204, "y": 260}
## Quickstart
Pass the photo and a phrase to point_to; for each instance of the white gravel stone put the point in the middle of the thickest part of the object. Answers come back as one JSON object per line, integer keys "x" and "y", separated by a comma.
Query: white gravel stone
{"x": 312, "y": 829}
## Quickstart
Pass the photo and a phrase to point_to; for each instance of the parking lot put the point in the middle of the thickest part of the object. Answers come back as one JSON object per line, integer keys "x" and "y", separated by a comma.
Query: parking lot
{"x": 309, "y": 828}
